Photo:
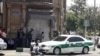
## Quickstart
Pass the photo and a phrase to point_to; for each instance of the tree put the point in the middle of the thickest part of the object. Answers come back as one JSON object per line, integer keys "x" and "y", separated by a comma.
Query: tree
{"x": 78, "y": 8}
{"x": 89, "y": 14}
{"x": 93, "y": 18}
{"x": 71, "y": 21}
{"x": 79, "y": 12}
{"x": 97, "y": 19}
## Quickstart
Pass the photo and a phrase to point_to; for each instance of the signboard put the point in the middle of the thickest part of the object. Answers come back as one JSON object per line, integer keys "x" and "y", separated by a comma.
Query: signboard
{"x": 86, "y": 23}
{"x": 16, "y": 12}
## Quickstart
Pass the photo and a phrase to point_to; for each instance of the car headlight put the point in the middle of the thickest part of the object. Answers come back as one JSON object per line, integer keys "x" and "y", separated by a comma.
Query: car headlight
{"x": 43, "y": 45}
{"x": 32, "y": 44}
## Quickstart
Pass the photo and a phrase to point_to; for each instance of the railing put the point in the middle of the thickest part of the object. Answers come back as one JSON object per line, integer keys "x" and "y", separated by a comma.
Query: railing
{"x": 39, "y": 1}
{"x": 41, "y": 16}
{"x": 41, "y": 12}
{"x": 49, "y": 1}
{"x": 14, "y": 0}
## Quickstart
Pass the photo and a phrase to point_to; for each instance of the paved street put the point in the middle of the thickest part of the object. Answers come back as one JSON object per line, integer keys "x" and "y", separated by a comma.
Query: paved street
{"x": 14, "y": 53}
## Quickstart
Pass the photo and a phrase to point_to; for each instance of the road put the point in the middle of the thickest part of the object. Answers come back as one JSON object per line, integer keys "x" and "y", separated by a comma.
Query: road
{"x": 93, "y": 53}
{"x": 14, "y": 53}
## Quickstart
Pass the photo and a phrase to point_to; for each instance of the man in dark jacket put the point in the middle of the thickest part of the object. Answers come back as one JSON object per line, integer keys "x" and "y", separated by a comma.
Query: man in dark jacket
{"x": 30, "y": 35}
{"x": 20, "y": 36}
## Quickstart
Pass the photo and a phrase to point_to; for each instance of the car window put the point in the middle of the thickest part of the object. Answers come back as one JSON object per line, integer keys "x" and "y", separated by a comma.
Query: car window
{"x": 75, "y": 39}
{"x": 59, "y": 38}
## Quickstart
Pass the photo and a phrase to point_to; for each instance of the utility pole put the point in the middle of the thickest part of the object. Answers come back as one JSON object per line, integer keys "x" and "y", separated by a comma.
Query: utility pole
{"x": 86, "y": 24}
{"x": 94, "y": 17}
{"x": 64, "y": 20}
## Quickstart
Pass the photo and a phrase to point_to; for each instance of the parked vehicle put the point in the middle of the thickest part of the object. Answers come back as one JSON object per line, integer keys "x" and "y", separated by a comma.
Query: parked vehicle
{"x": 66, "y": 44}
{"x": 3, "y": 45}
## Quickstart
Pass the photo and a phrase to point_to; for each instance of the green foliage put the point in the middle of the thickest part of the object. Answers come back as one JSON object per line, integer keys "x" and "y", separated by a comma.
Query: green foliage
{"x": 79, "y": 12}
{"x": 78, "y": 7}
{"x": 71, "y": 21}
{"x": 76, "y": 17}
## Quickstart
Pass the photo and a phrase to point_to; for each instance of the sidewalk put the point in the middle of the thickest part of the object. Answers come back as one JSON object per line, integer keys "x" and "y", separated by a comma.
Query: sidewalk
{"x": 14, "y": 53}
{"x": 97, "y": 51}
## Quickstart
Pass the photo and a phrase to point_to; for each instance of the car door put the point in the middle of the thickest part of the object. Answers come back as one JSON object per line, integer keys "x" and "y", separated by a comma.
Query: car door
{"x": 75, "y": 44}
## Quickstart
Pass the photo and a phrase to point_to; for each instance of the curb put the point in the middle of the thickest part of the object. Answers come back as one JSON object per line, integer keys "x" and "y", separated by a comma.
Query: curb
{"x": 1, "y": 54}
{"x": 22, "y": 49}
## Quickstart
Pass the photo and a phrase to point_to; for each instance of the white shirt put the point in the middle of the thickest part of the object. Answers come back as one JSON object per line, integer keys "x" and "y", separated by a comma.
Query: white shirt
{"x": 4, "y": 34}
{"x": 36, "y": 48}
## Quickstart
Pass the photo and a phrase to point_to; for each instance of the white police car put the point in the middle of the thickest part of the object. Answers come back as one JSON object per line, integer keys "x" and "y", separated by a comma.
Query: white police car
{"x": 67, "y": 44}
{"x": 3, "y": 45}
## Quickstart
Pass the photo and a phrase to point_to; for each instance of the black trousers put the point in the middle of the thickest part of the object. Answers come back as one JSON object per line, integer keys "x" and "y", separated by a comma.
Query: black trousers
{"x": 19, "y": 42}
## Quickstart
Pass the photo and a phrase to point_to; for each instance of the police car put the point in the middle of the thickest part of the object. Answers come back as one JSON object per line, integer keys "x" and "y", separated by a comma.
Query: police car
{"x": 67, "y": 44}
{"x": 3, "y": 45}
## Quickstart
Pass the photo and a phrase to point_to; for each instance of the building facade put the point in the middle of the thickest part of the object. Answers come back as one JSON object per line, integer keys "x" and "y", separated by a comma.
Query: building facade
{"x": 41, "y": 15}
{"x": 1, "y": 12}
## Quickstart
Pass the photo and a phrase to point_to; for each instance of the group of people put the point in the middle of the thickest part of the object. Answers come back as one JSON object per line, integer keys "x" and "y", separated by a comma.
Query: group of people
{"x": 9, "y": 41}
{"x": 38, "y": 50}
{"x": 20, "y": 37}
{"x": 30, "y": 35}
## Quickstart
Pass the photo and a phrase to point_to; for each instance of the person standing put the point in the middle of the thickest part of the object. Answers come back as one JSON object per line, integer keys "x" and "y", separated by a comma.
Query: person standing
{"x": 41, "y": 37}
{"x": 20, "y": 36}
{"x": 30, "y": 35}
{"x": 4, "y": 35}
{"x": 11, "y": 43}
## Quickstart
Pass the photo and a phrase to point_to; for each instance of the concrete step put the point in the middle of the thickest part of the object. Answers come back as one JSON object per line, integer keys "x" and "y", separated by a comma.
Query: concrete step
{"x": 23, "y": 50}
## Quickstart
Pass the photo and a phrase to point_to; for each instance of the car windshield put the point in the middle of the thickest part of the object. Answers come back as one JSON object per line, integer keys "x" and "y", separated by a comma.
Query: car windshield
{"x": 60, "y": 38}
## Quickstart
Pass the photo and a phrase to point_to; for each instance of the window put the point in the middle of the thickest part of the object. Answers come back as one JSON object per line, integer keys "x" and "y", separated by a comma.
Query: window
{"x": 60, "y": 38}
{"x": 75, "y": 39}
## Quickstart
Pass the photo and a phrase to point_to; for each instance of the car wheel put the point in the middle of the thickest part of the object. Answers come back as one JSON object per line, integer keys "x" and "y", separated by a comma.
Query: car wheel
{"x": 31, "y": 48}
{"x": 98, "y": 46}
{"x": 57, "y": 51}
{"x": 85, "y": 50}
{"x": 44, "y": 52}
{"x": 32, "y": 54}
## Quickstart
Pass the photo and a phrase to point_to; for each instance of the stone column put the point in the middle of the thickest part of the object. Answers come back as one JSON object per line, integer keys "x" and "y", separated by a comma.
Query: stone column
{"x": 8, "y": 17}
{"x": 59, "y": 15}
{"x": 23, "y": 15}
{"x": 56, "y": 5}
{"x": 62, "y": 16}
{"x": 4, "y": 15}
{"x": 23, "y": 24}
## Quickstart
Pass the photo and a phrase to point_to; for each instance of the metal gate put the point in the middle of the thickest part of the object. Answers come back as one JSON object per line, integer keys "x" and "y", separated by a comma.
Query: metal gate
{"x": 39, "y": 24}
